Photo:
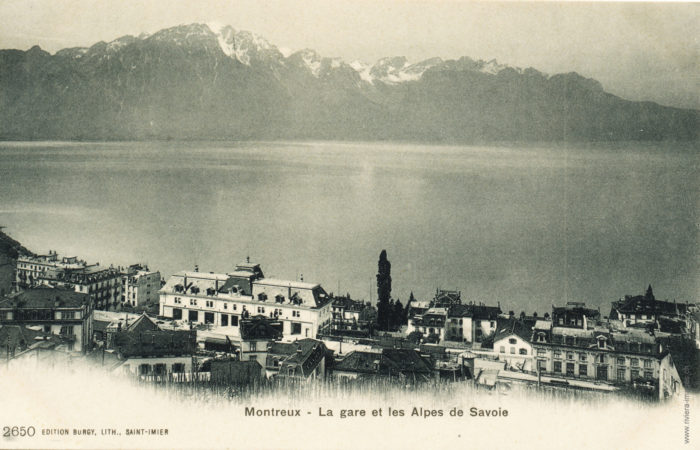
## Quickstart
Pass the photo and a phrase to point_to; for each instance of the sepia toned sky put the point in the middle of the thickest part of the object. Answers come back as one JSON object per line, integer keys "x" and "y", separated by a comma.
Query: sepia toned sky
{"x": 640, "y": 51}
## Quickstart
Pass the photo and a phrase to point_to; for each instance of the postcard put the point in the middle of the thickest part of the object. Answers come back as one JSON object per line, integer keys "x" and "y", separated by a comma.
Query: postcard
{"x": 335, "y": 224}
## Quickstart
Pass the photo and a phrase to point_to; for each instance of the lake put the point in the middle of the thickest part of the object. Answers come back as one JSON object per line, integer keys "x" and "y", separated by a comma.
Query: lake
{"x": 524, "y": 226}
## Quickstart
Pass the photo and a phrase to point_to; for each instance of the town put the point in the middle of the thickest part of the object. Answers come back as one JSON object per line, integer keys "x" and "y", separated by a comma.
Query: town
{"x": 239, "y": 328}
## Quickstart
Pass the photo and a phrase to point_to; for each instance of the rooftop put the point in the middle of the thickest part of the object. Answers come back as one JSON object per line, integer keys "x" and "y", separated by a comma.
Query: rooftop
{"x": 46, "y": 297}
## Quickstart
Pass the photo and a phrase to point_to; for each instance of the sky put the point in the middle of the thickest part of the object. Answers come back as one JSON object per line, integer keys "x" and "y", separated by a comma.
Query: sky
{"x": 639, "y": 51}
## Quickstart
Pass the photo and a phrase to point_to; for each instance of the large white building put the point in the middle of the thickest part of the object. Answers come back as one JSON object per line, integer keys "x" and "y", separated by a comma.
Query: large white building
{"x": 224, "y": 299}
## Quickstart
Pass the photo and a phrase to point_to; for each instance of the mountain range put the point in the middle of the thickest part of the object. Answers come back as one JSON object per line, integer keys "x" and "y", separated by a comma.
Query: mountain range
{"x": 207, "y": 82}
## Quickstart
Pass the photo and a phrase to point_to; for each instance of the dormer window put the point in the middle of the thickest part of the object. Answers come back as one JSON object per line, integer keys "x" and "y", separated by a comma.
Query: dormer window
{"x": 541, "y": 337}
{"x": 279, "y": 298}
{"x": 262, "y": 296}
{"x": 602, "y": 343}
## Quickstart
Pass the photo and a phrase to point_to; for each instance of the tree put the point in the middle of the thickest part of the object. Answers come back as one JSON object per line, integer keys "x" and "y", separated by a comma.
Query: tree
{"x": 415, "y": 337}
{"x": 398, "y": 314}
{"x": 383, "y": 292}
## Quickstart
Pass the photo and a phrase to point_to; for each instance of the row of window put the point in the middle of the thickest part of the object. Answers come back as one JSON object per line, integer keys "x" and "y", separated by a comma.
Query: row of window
{"x": 582, "y": 357}
{"x": 521, "y": 351}
{"x": 234, "y": 307}
{"x": 226, "y": 319}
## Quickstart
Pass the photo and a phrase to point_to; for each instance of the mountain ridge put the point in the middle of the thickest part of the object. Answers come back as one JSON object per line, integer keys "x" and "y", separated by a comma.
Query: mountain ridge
{"x": 207, "y": 81}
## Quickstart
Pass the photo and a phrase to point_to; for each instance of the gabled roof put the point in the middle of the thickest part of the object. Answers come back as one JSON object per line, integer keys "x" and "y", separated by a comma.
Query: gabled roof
{"x": 518, "y": 327}
{"x": 389, "y": 361}
{"x": 46, "y": 297}
{"x": 640, "y": 304}
{"x": 305, "y": 353}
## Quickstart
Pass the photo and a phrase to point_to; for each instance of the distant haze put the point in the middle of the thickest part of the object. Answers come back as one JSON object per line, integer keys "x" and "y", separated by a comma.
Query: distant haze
{"x": 637, "y": 51}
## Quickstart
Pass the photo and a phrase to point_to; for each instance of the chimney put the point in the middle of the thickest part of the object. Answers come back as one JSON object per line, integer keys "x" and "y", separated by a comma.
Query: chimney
{"x": 196, "y": 268}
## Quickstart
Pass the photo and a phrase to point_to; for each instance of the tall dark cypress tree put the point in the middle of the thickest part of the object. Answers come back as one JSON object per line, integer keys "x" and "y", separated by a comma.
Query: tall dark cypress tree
{"x": 383, "y": 292}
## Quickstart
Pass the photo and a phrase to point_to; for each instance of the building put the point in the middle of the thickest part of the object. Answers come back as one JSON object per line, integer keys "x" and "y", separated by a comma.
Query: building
{"x": 389, "y": 363}
{"x": 444, "y": 298}
{"x": 102, "y": 284}
{"x": 257, "y": 333}
{"x": 140, "y": 286}
{"x": 574, "y": 315}
{"x": 604, "y": 354}
{"x": 305, "y": 359}
{"x": 223, "y": 300}
{"x": 237, "y": 373}
{"x": 512, "y": 344}
{"x": 156, "y": 355}
{"x": 645, "y": 310}
{"x": 471, "y": 323}
{"x": 55, "y": 310}
{"x": 431, "y": 323}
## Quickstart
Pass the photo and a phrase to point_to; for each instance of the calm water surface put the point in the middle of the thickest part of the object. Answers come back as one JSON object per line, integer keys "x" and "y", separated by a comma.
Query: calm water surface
{"x": 524, "y": 226}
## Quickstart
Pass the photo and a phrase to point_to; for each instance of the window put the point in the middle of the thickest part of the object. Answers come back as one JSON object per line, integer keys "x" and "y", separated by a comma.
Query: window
{"x": 569, "y": 340}
{"x": 503, "y": 349}
{"x": 210, "y": 304}
{"x": 68, "y": 314}
{"x": 522, "y": 351}
{"x": 583, "y": 370}
{"x": 224, "y": 320}
{"x": 234, "y": 307}
{"x": 512, "y": 341}
{"x": 159, "y": 369}
{"x": 541, "y": 337}
{"x": 67, "y": 330}
{"x": 634, "y": 373}
{"x": 648, "y": 374}
{"x": 569, "y": 369}
{"x": 177, "y": 314}
{"x": 582, "y": 357}
{"x": 601, "y": 359}
{"x": 512, "y": 350}
{"x": 621, "y": 374}
{"x": 261, "y": 310}
{"x": 601, "y": 343}
{"x": 234, "y": 321}
{"x": 570, "y": 356}
{"x": 542, "y": 365}
{"x": 557, "y": 353}
{"x": 193, "y": 316}
{"x": 193, "y": 302}
{"x": 620, "y": 361}
{"x": 541, "y": 352}
{"x": 296, "y": 328}
{"x": 634, "y": 362}
{"x": 647, "y": 364}
{"x": 144, "y": 369}
{"x": 253, "y": 346}
{"x": 557, "y": 366}
{"x": 208, "y": 317}
{"x": 225, "y": 305}
{"x": 263, "y": 296}
{"x": 297, "y": 314}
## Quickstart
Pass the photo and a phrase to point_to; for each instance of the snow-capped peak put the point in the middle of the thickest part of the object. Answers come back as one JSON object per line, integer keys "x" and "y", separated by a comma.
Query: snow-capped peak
{"x": 242, "y": 45}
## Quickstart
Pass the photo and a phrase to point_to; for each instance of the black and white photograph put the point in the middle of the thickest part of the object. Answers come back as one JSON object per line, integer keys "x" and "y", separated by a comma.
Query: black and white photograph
{"x": 349, "y": 224}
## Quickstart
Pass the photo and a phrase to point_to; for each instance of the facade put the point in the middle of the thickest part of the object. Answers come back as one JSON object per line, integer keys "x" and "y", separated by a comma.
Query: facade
{"x": 600, "y": 353}
{"x": 347, "y": 314}
{"x": 140, "y": 286}
{"x": 257, "y": 334}
{"x": 512, "y": 344}
{"x": 223, "y": 300}
{"x": 102, "y": 284}
{"x": 59, "y": 311}
{"x": 156, "y": 355}
{"x": 471, "y": 323}
{"x": 432, "y": 322}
